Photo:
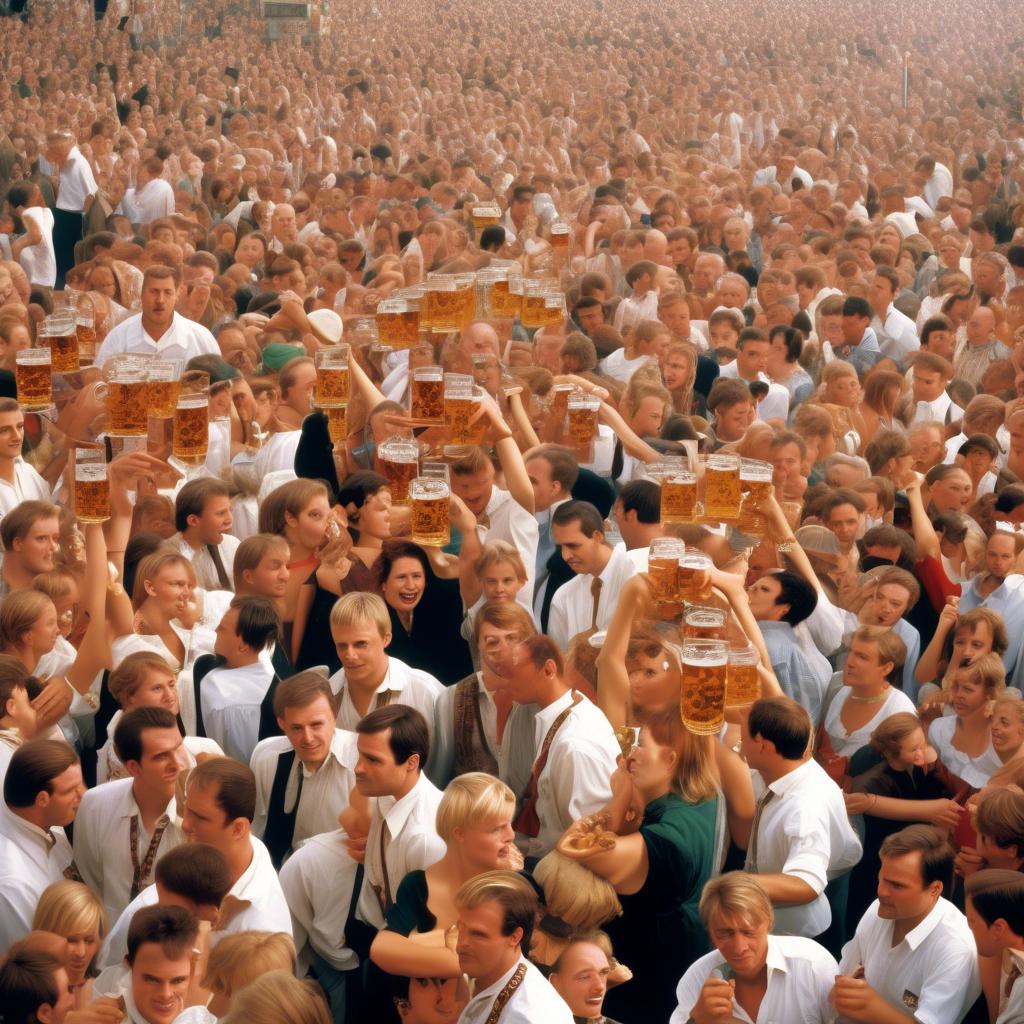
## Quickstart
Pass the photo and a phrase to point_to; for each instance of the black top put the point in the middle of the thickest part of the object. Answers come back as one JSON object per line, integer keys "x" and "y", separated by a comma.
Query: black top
{"x": 409, "y": 913}
{"x": 659, "y": 934}
{"x": 317, "y": 647}
{"x": 435, "y": 643}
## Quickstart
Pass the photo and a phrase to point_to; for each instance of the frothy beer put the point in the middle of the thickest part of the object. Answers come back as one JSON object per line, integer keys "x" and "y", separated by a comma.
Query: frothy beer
{"x": 127, "y": 408}
{"x": 33, "y": 378}
{"x": 702, "y": 694}
{"x": 92, "y": 492}
{"x": 431, "y": 525}
{"x": 191, "y": 429}
{"x": 427, "y": 394}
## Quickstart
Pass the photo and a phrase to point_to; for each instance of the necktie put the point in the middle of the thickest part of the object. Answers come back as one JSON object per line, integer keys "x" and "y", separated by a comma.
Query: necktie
{"x": 141, "y": 871}
{"x": 751, "y": 864}
{"x": 595, "y": 592}
{"x": 383, "y": 892}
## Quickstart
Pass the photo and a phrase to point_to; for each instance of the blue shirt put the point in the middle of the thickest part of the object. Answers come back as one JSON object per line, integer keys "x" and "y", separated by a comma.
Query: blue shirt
{"x": 863, "y": 355}
{"x": 801, "y": 677}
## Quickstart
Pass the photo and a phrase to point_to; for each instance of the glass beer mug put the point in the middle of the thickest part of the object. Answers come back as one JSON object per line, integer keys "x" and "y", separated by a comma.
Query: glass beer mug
{"x": 60, "y": 332}
{"x": 756, "y": 485}
{"x": 398, "y": 322}
{"x": 126, "y": 384}
{"x": 92, "y": 486}
{"x": 85, "y": 328}
{"x": 332, "y": 377}
{"x": 702, "y": 694}
{"x": 742, "y": 682}
{"x": 399, "y": 462}
{"x": 431, "y": 525}
{"x": 191, "y": 440}
{"x": 164, "y": 384}
{"x": 34, "y": 378}
{"x": 582, "y": 411}
{"x": 663, "y": 568}
{"x": 722, "y": 488}
{"x": 426, "y": 394}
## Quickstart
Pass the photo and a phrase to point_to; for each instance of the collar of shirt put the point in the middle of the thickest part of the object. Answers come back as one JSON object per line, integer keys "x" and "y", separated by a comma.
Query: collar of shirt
{"x": 780, "y": 787}
{"x": 937, "y": 405}
{"x": 619, "y": 555}
{"x": 545, "y": 516}
{"x": 398, "y": 813}
{"x": 492, "y": 990}
{"x": 914, "y": 938}
{"x": 134, "y": 1016}
{"x": 487, "y": 694}
{"x": 497, "y": 499}
{"x": 250, "y": 877}
{"x": 769, "y": 626}
{"x": 40, "y": 838}
{"x": 546, "y": 716}
{"x": 129, "y": 807}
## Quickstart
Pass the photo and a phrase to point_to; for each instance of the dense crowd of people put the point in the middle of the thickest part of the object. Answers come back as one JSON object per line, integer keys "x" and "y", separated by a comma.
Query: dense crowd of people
{"x": 512, "y": 515}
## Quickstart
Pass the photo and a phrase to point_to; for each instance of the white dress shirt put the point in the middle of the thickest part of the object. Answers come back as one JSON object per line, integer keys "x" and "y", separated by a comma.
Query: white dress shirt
{"x": 32, "y": 859}
{"x": 182, "y": 340}
{"x": 1011, "y": 1003}
{"x": 576, "y": 778}
{"x": 102, "y": 841}
{"x": 28, "y": 486}
{"x": 534, "y": 1002}
{"x": 75, "y": 183}
{"x": 325, "y": 792}
{"x": 39, "y": 261}
{"x": 801, "y": 976}
{"x": 938, "y": 185}
{"x": 154, "y": 200}
{"x": 774, "y": 405}
{"x": 317, "y": 880}
{"x": 411, "y": 686}
{"x": 406, "y": 830}
{"x": 232, "y": 698}
{"x": 202, "y": 561}
{"x": 630, "y": 312}
{"x": 257, "y": 886}
{"x": 616, "y": 364}
{"x": 510, "y": 522}
{"x": 803, "y": 831}
{"x": 897, "y": 335}
{"x": 932, "y": 973}
{"x": 572, "y": 607}
{"x": 941, "y": 410}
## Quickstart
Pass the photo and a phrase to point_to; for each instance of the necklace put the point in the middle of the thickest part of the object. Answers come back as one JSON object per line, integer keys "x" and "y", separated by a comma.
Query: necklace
{"x": 877, "y": 699}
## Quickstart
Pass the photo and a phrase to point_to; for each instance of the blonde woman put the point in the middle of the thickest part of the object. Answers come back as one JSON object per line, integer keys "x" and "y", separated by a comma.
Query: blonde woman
{"x": 240, "y": 959}
{"x": 679, "y": 372}
{"x": 474, "y": 819}
{"x": 279, "y": 998}
{"x": 75, "y": 913}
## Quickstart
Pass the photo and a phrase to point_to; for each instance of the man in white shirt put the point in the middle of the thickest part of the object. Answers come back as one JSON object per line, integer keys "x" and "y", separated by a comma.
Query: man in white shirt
{"x": 34, "y": 249}
{"x": 650, "y": 346}
{"x": 643, "y": 303}
{"x": 913, "y": 956}
{"x": 161, "y": 961}
{"x": 152, "y": 197}
{"x": 753, "y": 974}
{"x": 933, "y": 180}
{"x": 896, "y": 332}
{"x": 784, "y": 172}
{"x": 202, "y": 516}
{"x": 553, "y": 471}
{"x": 497, "y": 911}
{"x": 588, "y": 601}
{"x": 749, "y": 365}
{"x": 76, "y": 188}
{"x": 42, "y": 790}
{"x": 995, "y": 914}
{"x": 476, "y": 723}
{"x": 123, "y": 826}
{"x": 368, "y": 677}
{"x": 574, "y": 749}
{"x": 500, "y": 514}
{"x": 932, "y": 404}
{"x": 158, "y": 330}
{"x": 801, "y": 837}
{"x": 233, "y": 696}
{"x": 303, "y": 778}
{"x": 393, "y": 746}
{"x": 18, "y": 480}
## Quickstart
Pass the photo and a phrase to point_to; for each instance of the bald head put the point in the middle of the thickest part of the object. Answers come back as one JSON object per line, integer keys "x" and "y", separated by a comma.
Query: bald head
{"x": 980, "y": 326}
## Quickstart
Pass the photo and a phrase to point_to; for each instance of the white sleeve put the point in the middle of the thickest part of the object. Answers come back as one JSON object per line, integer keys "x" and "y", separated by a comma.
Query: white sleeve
{"x": 262, "y": 764}
{"x": 582, "y": 787}
{"x": 296, "y": 894}
{"x": 87, "y": 859}
{"x": 558, "y": 620}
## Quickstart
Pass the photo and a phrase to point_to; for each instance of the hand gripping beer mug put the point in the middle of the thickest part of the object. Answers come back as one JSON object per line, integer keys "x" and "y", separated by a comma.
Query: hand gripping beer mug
{"x": 756, "y": 484}
{"x": 742, "y": 682}
{"x": 332, "y": 377}
{"x": 431, "y": 526}
{"x": 192, "y": 419}
{"x": 33, "y": 377}
{"x": 398, "y": 322}
{"x": 663, "y": 568}
{"x": 92, "y": 486}
{"x": 582, "y": 409}
{"x": 722, "y": 488}
{"x": 61, "y": 334}
{"x": 126, "y": 379}
{"x": 399, "y": 462}
{"x": 426, "y": 394}
{"x": 702, "y": 694}
{"x": 678, "y": 494}
{"x": 164, "y": 384}
{"x": 694, "y": 585}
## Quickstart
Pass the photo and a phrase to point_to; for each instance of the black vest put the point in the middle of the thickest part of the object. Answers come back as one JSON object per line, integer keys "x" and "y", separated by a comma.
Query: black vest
{"x": 280, "y": 830}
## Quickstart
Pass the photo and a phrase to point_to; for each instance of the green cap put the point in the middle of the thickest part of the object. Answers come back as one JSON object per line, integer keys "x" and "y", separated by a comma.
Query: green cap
{"x": 276, "y": 354}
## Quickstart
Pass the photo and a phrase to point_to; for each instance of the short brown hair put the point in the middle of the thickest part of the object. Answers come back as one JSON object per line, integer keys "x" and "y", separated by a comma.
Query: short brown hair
{"x": 409, "y": 733}
{"x": 998, "y": 893}
{"x": 512, "y": 892}
{"x": 936, "y": 852}
{"x": 16, "y": 523}
{"x": 192, "y": 499}
{"x": 541, "y": 649}
{"x": 300, "y": 690}
{"x": 124, "y": 680}
{"x": 889, "y": 736}
{"x": 160, "y": 272}
{"x": 783, "y": 722}
{"x": 197, "y": 871}
{"x": 34, "y": 766}
{"x": 174, "y": 929}
{"x": 235, "y": 782}
{"x": 1000, "y": 817}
